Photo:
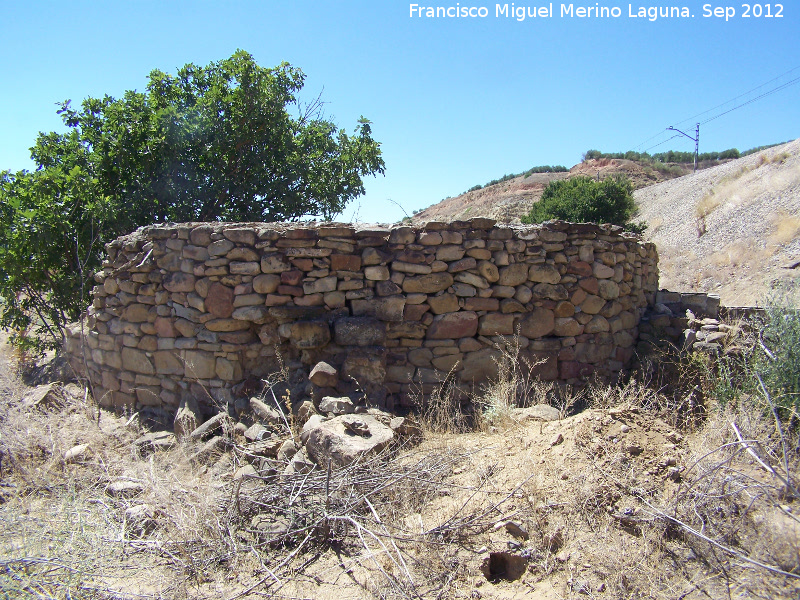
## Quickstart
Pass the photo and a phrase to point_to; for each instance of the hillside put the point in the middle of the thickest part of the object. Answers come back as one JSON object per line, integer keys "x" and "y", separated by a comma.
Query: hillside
{"x": 733, "y": 229}
{"x": 509, "y": 200}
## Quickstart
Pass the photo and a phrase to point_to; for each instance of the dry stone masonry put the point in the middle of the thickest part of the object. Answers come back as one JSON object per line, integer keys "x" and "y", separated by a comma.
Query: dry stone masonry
{"x": 205, "y": 311}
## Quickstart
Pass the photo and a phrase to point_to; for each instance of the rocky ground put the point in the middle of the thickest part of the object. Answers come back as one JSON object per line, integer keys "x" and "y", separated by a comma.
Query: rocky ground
{"x": 612, "y": 502}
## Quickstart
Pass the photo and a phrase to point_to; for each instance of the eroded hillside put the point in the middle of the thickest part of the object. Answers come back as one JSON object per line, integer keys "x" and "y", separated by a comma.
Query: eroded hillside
{"x": 509, "y": 200}
{"x": 733, "y": 229}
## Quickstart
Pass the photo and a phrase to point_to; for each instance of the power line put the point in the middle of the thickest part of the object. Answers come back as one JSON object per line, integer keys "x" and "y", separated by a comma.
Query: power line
{"x": 758, "y": 87}
{"x": 765, "y": 94}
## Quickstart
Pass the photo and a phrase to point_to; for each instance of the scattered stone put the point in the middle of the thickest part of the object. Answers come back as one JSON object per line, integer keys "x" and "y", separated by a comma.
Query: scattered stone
{"x": 76, "y": 453}
{"x": 287, "y": 450}
{"x": 155, "y": 442}
{"x": 271, "y": 530}
{"x": 265, "y": 412}
{"x": 557, "y": 439}
{"x": 124, "y": 488}
{"x": 299, "y": 463}
{"x": 405, "y": 427}
{"x": 187, "y": 419}
{"x": 514, "y": 528}
{"x": 305, "y": 411}
{"x": 245, "y": 472}
{"x": 209, "y": 451}
{"x": 336, "y": 406}
{"x": 220, "y": 421}
{"x": 324, "y": 375}
{"x": 140, "y": 519}
{"x": 539, "y": 412}
{"x": 256, "y": 432}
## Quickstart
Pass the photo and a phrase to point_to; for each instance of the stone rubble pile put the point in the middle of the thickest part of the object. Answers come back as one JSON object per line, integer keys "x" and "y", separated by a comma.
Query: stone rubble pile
{"x": 205, "y": 311}
{"x": 696, "y": 322}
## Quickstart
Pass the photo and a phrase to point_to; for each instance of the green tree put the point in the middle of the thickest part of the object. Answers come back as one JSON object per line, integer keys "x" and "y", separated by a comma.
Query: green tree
{"x": 583, "y": 199}
{"x": 208, "y": 143}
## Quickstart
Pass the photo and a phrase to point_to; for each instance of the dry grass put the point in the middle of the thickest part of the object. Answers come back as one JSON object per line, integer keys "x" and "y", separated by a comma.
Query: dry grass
{"x": 614, "y": 502}
{"x": 787, "y": 228}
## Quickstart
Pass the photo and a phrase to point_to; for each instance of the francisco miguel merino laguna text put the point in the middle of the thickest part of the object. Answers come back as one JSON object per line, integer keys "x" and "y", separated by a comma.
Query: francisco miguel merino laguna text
{"x": 520, "y": 13}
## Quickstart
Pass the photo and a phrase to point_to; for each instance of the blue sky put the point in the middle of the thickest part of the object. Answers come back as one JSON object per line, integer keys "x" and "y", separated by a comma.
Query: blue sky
{"x": 454, "y": 101}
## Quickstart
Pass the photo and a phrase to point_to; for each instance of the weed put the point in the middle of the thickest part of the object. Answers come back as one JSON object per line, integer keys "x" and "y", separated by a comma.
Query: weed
{"x": 778, "y": 361}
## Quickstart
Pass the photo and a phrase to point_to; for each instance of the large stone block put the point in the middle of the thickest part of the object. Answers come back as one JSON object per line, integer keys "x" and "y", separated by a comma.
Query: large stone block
{"x": 345, "y": 262}
{"x": 427, "y": 284}
{"x": 513, "y": 275}
{"x": 345, "y": 439}
{"x": 496, "y": 324}
{"x": 592, "y": 305}
{"x": 200, "y": 365}
{"x": 227, "y": 325}
{"x": 567, "y": 327}
{"x": 317, "y": 286}
{"x": 538, "y": 323}
{"x": 274, "y": 263}
{"x": 137, "y": 313}
{"x": 178, "y": 282}
{"x": 310, "y": 334}
{"x": 359, "y": 331}
{"x": 445, "y": 303}
{"x": 168, "y": 363}
{"x": 544, "y": 274}
{"x": 252, "y": 314}
{"x": 454, "y": 325}
{"x": 266, "y": 283}
{"x": 387, "y": 308}
{"x": 480, "y": 366}
{"x": 366, "y": 365}
{"x": 219, "y": 300}
{"x": 137, "y": 362}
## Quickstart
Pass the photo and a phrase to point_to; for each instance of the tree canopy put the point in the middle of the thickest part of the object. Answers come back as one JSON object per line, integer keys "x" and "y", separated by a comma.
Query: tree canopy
{"x": 208, "y": 143}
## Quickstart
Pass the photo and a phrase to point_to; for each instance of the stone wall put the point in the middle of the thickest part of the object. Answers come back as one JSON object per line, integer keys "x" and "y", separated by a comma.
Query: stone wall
{"x": 207, "y": 310}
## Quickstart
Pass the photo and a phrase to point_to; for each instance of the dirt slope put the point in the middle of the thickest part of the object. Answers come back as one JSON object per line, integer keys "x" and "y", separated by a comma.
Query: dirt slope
{"x": 733, "y": 229}
{"x": 509, "y": 200}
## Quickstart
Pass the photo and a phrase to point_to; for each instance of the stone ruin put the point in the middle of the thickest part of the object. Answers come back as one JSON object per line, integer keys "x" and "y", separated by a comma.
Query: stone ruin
{"x": 205, "y": 311}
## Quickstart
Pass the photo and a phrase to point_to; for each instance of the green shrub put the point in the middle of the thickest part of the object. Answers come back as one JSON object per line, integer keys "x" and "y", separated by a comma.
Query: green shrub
{"x": 583, "y": 199}
{"x": 778, "y": 362}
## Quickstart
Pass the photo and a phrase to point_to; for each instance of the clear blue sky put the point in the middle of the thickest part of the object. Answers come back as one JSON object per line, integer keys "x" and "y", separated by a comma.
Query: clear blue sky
{"x": 454, "y": 101}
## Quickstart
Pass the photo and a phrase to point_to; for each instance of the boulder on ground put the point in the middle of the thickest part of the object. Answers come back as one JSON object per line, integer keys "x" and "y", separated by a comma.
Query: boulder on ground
{"x": 76, "y": 453}
{"x": 124, "y": 488}
{"x": 346, "y": 438}
{"x": 48, "y": 396}
{"x": 209, "y": 451}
